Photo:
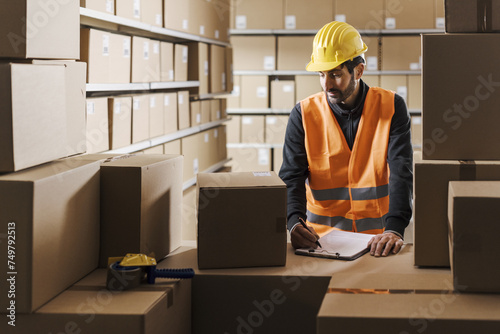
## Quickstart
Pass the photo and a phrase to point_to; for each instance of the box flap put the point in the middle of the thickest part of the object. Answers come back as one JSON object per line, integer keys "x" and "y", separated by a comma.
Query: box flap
{"x": 239, "y": 180}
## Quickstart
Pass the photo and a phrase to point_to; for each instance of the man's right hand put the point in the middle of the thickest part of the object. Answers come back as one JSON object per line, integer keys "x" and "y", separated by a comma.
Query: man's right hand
{"x": 302, "y": 238}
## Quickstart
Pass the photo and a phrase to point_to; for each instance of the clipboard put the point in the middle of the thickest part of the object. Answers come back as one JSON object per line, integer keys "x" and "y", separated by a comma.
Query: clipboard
{"x": 339, "y": 245}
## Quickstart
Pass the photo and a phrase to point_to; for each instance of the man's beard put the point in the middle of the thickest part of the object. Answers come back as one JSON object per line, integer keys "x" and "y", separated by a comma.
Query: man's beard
{"x": 340, "y": 96}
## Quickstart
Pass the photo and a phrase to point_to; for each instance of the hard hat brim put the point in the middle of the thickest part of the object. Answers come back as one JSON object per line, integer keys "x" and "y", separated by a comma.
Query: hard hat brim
{"x": 328, "y": 66}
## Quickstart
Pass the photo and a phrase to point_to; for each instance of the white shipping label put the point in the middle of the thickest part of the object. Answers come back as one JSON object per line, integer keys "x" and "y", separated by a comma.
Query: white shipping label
{"x": 263, "y": 156}
{"x": 290, "y": 22}
{"x": 105, "y": 45}
{"x": 126, "y": 48}
{"x": 110, "y": 6}
{"x": 196, "y": 166}
{"x": 198, "y": 118}
{"x": 202, "y": 30}
{"x": 414, "y": 66}
{"x": 271, "y": 120}
{"x": 269, "y": 63}
{"x": 340, "y": 18}
{"x": 416, "y": 120}
{"x": 185, "y": 55}
{"x": 152, "y": 102}
{"x": 137, "y": 104}
{"x": 166, "y": 100}
{"x": 216, "y": 133}
{"x": 137, "y": 9}
{"x": 217, "y": 34}
{"x": 236, "y": 91}
{"x": 146, "y": 50}
{"x": 218, "y": 114}
{"x": 287, "y": 89}
{"x": 156, "y": 48}
{"x": 241, "y": 22}
{"x": 223, "y": 79}
{"x": 206, "y": 67}
{"x": 117, "y": 109}
{"x": 90, "y": 108}
{"x": 246, "y": 120}
{"x": 372, "y": 63}
{"x": 207, "y": 138}
{"x": 159, "y": 19}
{"x": 390, "y": 23}
{"x": 262, "y": 92}
{"x": 185, "y": 24}
{"x": 440, "y": 22}
{"x": 181, "y": 99}
{"x": 171, "y": 74}
{"x": 403, "y": 91}
{"x": 261, "y": 173}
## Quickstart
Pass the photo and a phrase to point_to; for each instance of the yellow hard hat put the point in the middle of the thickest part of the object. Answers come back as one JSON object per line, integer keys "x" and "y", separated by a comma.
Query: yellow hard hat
{"x": 334, "y": 44}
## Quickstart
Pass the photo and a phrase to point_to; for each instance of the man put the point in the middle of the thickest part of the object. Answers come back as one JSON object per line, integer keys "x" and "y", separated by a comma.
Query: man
{"x": 347, "y": 157}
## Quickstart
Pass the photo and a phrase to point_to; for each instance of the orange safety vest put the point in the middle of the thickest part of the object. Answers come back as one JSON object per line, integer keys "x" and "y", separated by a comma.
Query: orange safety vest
{"x": 348, "y": 190}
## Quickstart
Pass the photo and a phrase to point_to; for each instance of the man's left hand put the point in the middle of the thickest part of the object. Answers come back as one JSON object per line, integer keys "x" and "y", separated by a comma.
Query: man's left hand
{"x": 382, "y": 244}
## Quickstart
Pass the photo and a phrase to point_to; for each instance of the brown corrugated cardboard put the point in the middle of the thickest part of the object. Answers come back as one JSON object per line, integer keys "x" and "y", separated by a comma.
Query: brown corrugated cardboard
{"x": 415, "y": 92}
{"x": 229, "y": 70}
{"x": 233, "y": 100}
{"x": 409, "y": 14}
{"x": 401, "y": 53}
{"x": 51, "y": 213}
{"x": 154, "y": 62}
{"x": 40, "y": 29}
{"x": 198, "y": 66}
{"x": 472, "y": 16}
{"x": 234, "y": 129}
{"x": 307, "y": 15}
{"x": 172, "y": 147}
{"x": 120, "y": 58}
{"x": 254, "y": 91}
{"x": 140, "y": 118}
{"x": 282, "y": 94}
{"x": 259, "y": 14}
{"x": 120, "y": 121}
{"x": 152, "y": 12}
{"x": 365, "y": 15}
{"x": 215, "y": 110}
{"x": 176, "y": 15}
{"x": 206, "y": 147}
{"x": 189, "y": 148}
{"x": 105, "y": 6}
{"x": 254, "y": 53}
{"x": 145, "y": 60}
{"x": 474, "y": 247}
{"x": 195, "y": 113}
{"x": 222, "y": 142}
{"x": 181, "y": 56}
{"x": 170, "y": 113}
{"x": 306, "y": 85}
{"x": 217, "y": 71}
{"x": 97, "y": 125}
{"x": 396, "y": 83}
{"x": 205, "y": 109}
{"x": 294, "y": 52}
{"x": 141, "y": 197}
{"x": 183, "y": 113}
{"x": 459, "y": 108}
{"x": 189, "y": 209}
{"x": 275, "y": 129}
{"x": 156, "y": 115}
{"x": 440, "y": 14}
{"x": 431, "y": 198}
{"x": 217, "y": 216}
{"x": 252, "y": 129}
{"x": 249, "y": 159}
{"x": 166, "y": 61}
{"x": 129, "y": 9}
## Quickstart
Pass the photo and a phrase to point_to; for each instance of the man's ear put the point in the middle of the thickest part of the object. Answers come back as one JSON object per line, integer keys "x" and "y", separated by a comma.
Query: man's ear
{"x": 358, "y": 71}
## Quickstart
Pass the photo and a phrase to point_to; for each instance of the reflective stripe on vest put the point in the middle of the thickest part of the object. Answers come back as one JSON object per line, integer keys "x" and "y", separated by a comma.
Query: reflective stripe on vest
{"x": 348, "y": 190}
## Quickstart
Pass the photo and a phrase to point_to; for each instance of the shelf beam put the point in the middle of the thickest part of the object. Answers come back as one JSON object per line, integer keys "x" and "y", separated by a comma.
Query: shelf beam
{"x": 312, "y": 32}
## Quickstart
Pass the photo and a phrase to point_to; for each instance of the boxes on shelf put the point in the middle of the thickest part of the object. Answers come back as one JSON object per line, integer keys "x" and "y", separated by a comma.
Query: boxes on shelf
{"x": 176, "y": 15}
{"x": 189, "y": 219}
{"x": 145, "y": 60}
{"x": 129, "y": 9}
{"x": 216, "y": 110}
{"x": 120, "y": 121}
{"x": 254, "y": 53}
{"x": 415, "y": 92}
{"x": 166, "y": 61}
{"x": 250, "y": 14}
{"x": 409, "y": 14}
{"x": 472, "y": 16}
{"x": 306, "y": 85}
{"x": 183, "y": 112}
{"x": 229, "y": 69}
{"x": 52, "y": 210}
{"x": 372, "y": 80}
{"x": 43, "y": 30}
{"x": 56, "y": 90}
{"x": 181, "y": 56}
{"x": 221, "y": 133}
{"x": 152, "y": 12}
{"x": 431, "y": 199}
{"x": 294, "y": 52}
{"x": 365, "y": 15}
{"x": 140, "y": 118}
{"x": 275, "y": 129}
{"x": 252, "y": 129}
{"x": 416, "y": 132}
{"x": 205, "y": 110}
{"x": 156, "y": 115}
{"x": 396, "y": 83}
{"x": 198, "y": 66}
{"x": 190, "y": 151}
{"x": 105, "y": 6}
{"x": 401, "y": 53}
{"x": 473, "y": 246}
{"x": 460, "y": 108}
{"x": 254, "y": 92}
{"x": 233, "y": 100}
{"x": 195, "y": 112}
{"x": 282, "y": 94}
{"x": 440, "y": 14}
{"x": 97, "y": 125}
{"x": 234, "y": 129}
{"x": 172, "y": 147}
{"x": 307, "y": 15}
{"x": 217, "y": 216}
{"x": 170, "y": 113}
{"x": 248, "y": 159}
{"x": 217, "y": 70}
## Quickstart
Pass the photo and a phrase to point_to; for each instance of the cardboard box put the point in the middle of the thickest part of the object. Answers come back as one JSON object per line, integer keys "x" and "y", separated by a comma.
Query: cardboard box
{"x": 217, "y": 70}
{"x": 440, "y": 14}
{"x": 249, "y": 159}
{"x": 199, "y": 66}
{"x": 221, "y": 133}
{"x": 245, "y": 238}
{"x": 255, "y": 92}
{"x": 396, "y": 83}
{"x": 473, "y": 247}
{"x": 250, "y": 14}
{"x": 205, "y": 109}
{"x": 190, "y": 151}
{"x": 129, "y": 9}
{"x": 307, "y": 85}
{"x": 201, "y": 14}
{"x": 294, "y": 52}
{"x": 170, "y": 113}
{"x": 189, "y": 210}
{"x": 183, "y": 116}
{"x": 156, "y": 115}
{"x": 401, "y": 53}
{"x": 97, "y": 136}
{"x": 252, "y": 129}
{"x": 140, "y": 118}
{"x": 472, "y": 16}
{"x": 233, "y": 100}
{"x": 152, "y": 12}
{"x": 311, "y": 15}
{"x": 145, "y": 60}
{"x": 172, "y": 147}
{"x": 195, "y": 112}
{"x": 275, "y": 129}
{"x": 43, "y": 30}
{"x": 154, "y": 62}
{"x": 105, "y": 6}
{"x": 459, "y": 109}
{"x": 372, "y": 80}
{"x": 176, "y": 15}
{"x": 57, "y": 129}
{"x": 365, "y": 15}
{"x": 282, "y": 94}
{"x": 431, "y": 198}
{"x": 415, "y": 92}
{"x": 254, "y": 53}
{"x": 50, "y": 212}
{"x": 120, "y": 61}
{"x": 372, "y": 56}
{"x": 141, "y": 197}
{"x": 181, "y": 56}
{"x": 120, "y": 121}
{"x": 215, "y": 110}
{"x": 229, "y": 70}
{"x": 166, "y": 61}
{"x": 416, "y": 132}
{"x": 409, "y": 14}
{"x": 234, "y": 129}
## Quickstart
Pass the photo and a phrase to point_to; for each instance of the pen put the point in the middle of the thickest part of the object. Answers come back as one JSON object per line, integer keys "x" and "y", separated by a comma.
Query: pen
{"x": 302, "y": 222}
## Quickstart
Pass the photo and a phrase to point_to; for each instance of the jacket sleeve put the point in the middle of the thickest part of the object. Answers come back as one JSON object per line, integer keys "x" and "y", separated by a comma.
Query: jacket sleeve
{"x": 294, "y": 169}
{"x": 400, "y": 159}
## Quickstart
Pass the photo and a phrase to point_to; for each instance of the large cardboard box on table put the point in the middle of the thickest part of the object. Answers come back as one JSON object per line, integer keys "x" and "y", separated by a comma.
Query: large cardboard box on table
{"x": 365, "y": 15}
{"x": 259, "y": 14}
{"x": 460, "y": 108}
{"x": 431, "y": 200}
{"x": 140, "y": 117}
{"x": 56, "y": 90}
{"x": 40, "y": 29}
{"x": 105, "y": 6}
{"x": 307, "y": 15}
{"x": 254, "y": 53}
{"x": 401, "y": 53}
{"x": 97, "y": 125}
{"x": 120, "y": 121}
{"x": 294, "y": 52}
{"x": 225, "y": 222}
{"x": 472, "y": 16}
{"x": 199, "y": 66}
{"x": 473, "y": 207}
{"x": 254, "y": 92}
{"x": 409, "y": 14}
{"x": 50, "y": 216}
{"x": 140, "y": 206}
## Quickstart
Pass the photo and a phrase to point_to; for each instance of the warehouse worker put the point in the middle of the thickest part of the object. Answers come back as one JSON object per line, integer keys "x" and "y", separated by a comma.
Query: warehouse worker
{"x": 347, "y": 157}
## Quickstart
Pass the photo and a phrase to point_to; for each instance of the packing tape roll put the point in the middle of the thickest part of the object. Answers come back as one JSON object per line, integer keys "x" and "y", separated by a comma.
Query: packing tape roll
{"x": 123, "y": 278}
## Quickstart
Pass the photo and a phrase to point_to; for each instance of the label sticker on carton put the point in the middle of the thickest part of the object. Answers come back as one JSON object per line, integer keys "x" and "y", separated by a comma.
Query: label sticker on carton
{"x": 287, "y": 88}
{"x": 262, "y": 92}
{"x": 216, "y": 133}
{"x": 171, "y": 74}
{"x": 202, "y": 30}
{"x": 137, "y": 9}
{"x": 269, "y": 63}
{"x": 241, "y": 22}
{"x": 263, "y": 156}
{"x": 206, "y": 67}
{"x": 236, "y": 91}
{"x": 181, "y": 99}
{"x": 217, "y": 34}
{"x": 414, "y": 66}
{"x": 156, "y": 48}
{"x": 390, "y": 23}
{"x": 372, "y": 63}
{"x": 159, "y": 19}
{"x": 196, "y": 166}
{"x": 145, "y": 48}
{"x": 340, "y": 18}
{"x": 110, "y": 6}
{"x": 185, "y": 24}
{"x": 271, "y": 120}
{"x": 416, "y": 120}
{"x": 185, "y": 55}
{"x": 152, "y": 101}
{"x": 90, "y": 108}
{"x": 223, "y": 79}
{"x": 207, "y": 138}
{"x": 246, "y": 120}
{"x": 126, "y": 47}
{"x": 105, "y": 45}
{"x": 440, "y": 22}
{"x": 166, "y": 100}
{"x": 137, "y": 104}
{"x": 261, "y": 173}
{"x": 403, "y": 91}
{"x": 198, "y": 118}
{"x": 290, "y": 22}
{"x": 117, "y": 108}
